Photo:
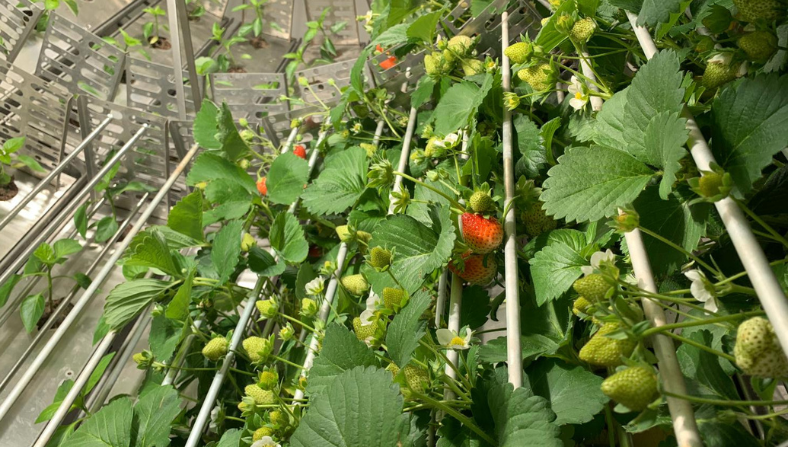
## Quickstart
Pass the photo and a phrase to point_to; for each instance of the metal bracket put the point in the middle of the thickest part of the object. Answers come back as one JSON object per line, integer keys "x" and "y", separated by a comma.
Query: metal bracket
{"x": 79, "y": 60}
{"x": 251, "y": 96}
{"x": 18, "y": 19}
{"x": 150, "y": 87}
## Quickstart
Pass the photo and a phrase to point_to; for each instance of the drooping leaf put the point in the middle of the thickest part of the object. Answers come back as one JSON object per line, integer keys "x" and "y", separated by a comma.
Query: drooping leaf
{"x": 31, "y": 310}
{"x": 209, "y": 167}
{"x": 186, "y": 216}
{"x": 286, "y": 178}
{"x": 233, "y": 145}
{"x": 126, "y": 300}
{"x": 106, "y": 228}
{"x": 226, "y": 249}
{"x": 458, "y": 105}
{"x": 178, "y": 308}
{"x": 404, "y": 333}
{"x": 164, "y": 337}
{"x": 149, "y": 248}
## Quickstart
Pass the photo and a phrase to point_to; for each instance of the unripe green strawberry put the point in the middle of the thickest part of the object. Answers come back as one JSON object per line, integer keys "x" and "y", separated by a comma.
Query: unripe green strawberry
{"x": 268, "y": 308}
{"x": 308, "y": 307}
{"x": 755, "y": 10}
{"x": 709, "y": 184}
{"x": 604, "y": 351}
{"x": 356, "y": 284}
{"x": 363, "y": 332}
{"x": 717, "y": 74}
{"x": 369, "y": 148}
{"x": 279, "y": 418}
{"x": 582, "y": 30}
{"x": 472, "y": 67}
{"x": 520, "y": 52}
{"x": 481, "y": 202}
{"x": 758, "y": 351}
{"x": 268, "y": 380}
{"x": 417, "y": 378}
{"x": 393, "y": 368}
{"x": 363, "y": 240}
{"x": 343, "y": 232}
{"x": 144, "y": 359}
{"x": 581, "y": 306}
{"x": 215, "y": 349}
{"x": 436, "y": 64}
{"x": 256, "y": 348}
{"x": 392, "y": 297}
{"x": 759, "y": 45}
{"x": 634, "y": 387}
{"x": 262, "y": 432}
{"x": 537, "y": 221}
{"x": 593, "y": 287}
{"x": 260, "y": 396}
{"x": 540, "y": 77}
{"x": 460, "y": 45}
{"x": 247, "y": 242}
{"x": 379, "y": 257}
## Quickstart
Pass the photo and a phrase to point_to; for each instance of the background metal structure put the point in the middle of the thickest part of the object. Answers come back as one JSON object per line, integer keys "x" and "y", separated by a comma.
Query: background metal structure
{"x": 18, "y": 19}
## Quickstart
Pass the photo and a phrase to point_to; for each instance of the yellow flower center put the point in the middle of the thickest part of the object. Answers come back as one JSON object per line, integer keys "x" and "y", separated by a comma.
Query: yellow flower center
{"x": 579, "y": 96}
{"x": 457, "y": 341}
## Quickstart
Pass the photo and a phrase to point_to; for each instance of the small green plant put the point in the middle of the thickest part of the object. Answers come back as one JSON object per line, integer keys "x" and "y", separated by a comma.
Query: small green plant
{"x": 195, "y": 10}
{"x": 129, "y": 44}
{"x": 256, "y": 26}
{"x": 52, "y": 5}
{"x": 328, "y": 51}
{"x": 9, "y": 158}
{"x": 151, "y": 31}
{"x": 226, "y": 61}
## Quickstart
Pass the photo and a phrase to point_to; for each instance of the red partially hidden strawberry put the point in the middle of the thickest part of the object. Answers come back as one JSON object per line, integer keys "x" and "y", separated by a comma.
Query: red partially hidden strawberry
{"x": 315, "y": 251}
{"x": 261, "y": 186}
{"x": 388, "y": 63}
{"x": 478, "y": 269}
{"x": 300, "y": 151}
{"x": 481, "y": 234}
{"x": 379, "y": 48}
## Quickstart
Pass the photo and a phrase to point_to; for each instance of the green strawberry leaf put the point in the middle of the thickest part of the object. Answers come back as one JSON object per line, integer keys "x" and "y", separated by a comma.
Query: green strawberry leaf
{"x": 574, "y": 392}
{"x": 459, "y": 105}
{"x": 178, "y": 309}
{"x": 591, "y": 183}
{"x": 227, "y": 134}
{"x": 532, "y": 150}
{"x": 108, "y": 427}
{"x": 475, "y": 306}
{"x": 423, "y": 28}
{"x": 340, "y": 184}
{"x": 164, "y": 337}
{"x": 264, "y": 264}
{"x": 287, "y": 238}
{"x": 655, "y": 12}
{"x": 226, "y": 249}
{"x": 153, "y": 415}
{"x": 149, "y": 248}
{"x": 31, "y": 310}
{"x": 361, "y": 408}
{"x": 556, "y": 267}
{"x": 407, "y": 329}
{"x": 230, "y": 439}
{"x": 341, "y": 352}
{"x": 418, "y": 249}
{"x": 209, "y": 167}
{"x": 749, "y": 126}
{"x": 286, "y": 178}
{"x": 666, "y": 135}
{"x": 106, "y": 228}
{"x": 65, "y": 247}
{"x": 186, "y": 216}
{"x": 127, "y": 299}
{"x": 704, "y": 369}
{"x": 206, "y": 126}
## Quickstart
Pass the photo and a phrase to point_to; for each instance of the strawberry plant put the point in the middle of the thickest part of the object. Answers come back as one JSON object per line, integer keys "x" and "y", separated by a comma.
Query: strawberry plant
{"x": 556, "y": 182}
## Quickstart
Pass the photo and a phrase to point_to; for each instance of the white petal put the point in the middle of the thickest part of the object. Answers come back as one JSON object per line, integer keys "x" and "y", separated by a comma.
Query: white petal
{"x": 366, "y": 317}
{"x": 577, "y": 104}
{"x": 444, "y": 336}
{"x": 372, "y": 301}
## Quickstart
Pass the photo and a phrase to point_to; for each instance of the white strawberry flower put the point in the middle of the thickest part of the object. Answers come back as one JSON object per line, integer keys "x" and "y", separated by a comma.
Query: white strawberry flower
{"x": 578, "y": 97}
{"x": 702, "y": 289}
{"x": 450, "y": 141}
{"x": 368, "y": 316}
{"x": 451, "y": 339}
{"x": 315, "y": 286}
{"x": 266, "y": 442}
{"x": 599, "y": 260}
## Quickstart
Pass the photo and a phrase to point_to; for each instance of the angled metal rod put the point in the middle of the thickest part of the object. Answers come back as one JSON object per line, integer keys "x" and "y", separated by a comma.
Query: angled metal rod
{"x": 102, "y": 275}
{"x": 290, "y": 139}
{"x": 178, "y": 31}
{"x": 54, "y": 173}
{"x": 66, "y": 301}
{"x": 240, "y": 329}
{"x": 766, "y": 286}
{"x": 514, "y": 353}
{"x": 440, "y": 303}
{"x": 66, "y": 212}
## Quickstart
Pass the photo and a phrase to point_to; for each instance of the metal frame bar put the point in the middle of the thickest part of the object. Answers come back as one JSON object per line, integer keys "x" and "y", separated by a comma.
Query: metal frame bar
{"x": 30, "y": 25}
{"x": 179, "y": 30}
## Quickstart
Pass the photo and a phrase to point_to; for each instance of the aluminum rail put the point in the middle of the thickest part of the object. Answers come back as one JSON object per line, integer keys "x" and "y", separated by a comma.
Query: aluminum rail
{"x": 180, "y": 30}
{"x": 766, "y": 286}
{"x": 331, "y": 290}
{"x": 207, "y": 406}
{"x": 65, "y": 303}
{"x": 681, "y": 412}
{"x": 108, "y": 267}
{"x": 514, "y": 355}
{"x": 55, "y": 172}
{"x": 66, "y": 212}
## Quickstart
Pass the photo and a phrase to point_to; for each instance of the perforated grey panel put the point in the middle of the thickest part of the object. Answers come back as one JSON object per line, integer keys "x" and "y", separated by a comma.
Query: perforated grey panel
{"x": 79, "y": 60}
{"x": 32, "y": 108}
{"x": 215, "y": 7}
{"x": 151, "y": 87}
{"x": 523, "y": 19}
{"x": 318, "y": 78}
{"x": 147, "y": 162}
{"x": 17, "y": 19}
{"x": 280, "y": 13}
{"x": 340, "y": 11}
{"x": 251, "y": 95}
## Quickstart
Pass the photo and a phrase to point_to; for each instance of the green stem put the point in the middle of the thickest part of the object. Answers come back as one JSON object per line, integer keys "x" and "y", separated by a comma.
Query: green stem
{"x": 435, "y": 190}
{"x": 464, "y": 420}
{"x": 763, "y": 224}
{"x": 727, "y": 403}
{"x": 678, "y": 248}
{"x": 289, "y": 363}
{"x": 701, "y": 346}
{"x": 305, "y": 326}
{"x": 724, "y": 318}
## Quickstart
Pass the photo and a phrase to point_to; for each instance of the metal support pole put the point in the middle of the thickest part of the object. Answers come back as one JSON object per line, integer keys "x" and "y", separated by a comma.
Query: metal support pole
{"x": 513, "y": 348}
{"x": 766, "y": 286}
{"x": 57, "y": 336}
{"x": 65, "y": 303}
{"x": 179, "y": 29}
{"x": 54, "y": 173}
{"x": 22, "y": 258}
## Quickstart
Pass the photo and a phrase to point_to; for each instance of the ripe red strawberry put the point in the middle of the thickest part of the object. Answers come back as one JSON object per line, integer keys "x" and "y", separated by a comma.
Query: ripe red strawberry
{"x": 379, "y": 48}
{"x": 300, "y": 151}
{"x": 261, "y": 186}
{"x": 388, "y": 63}
{"x": 482, "y": 235}
{"x": 479, "y": 269}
